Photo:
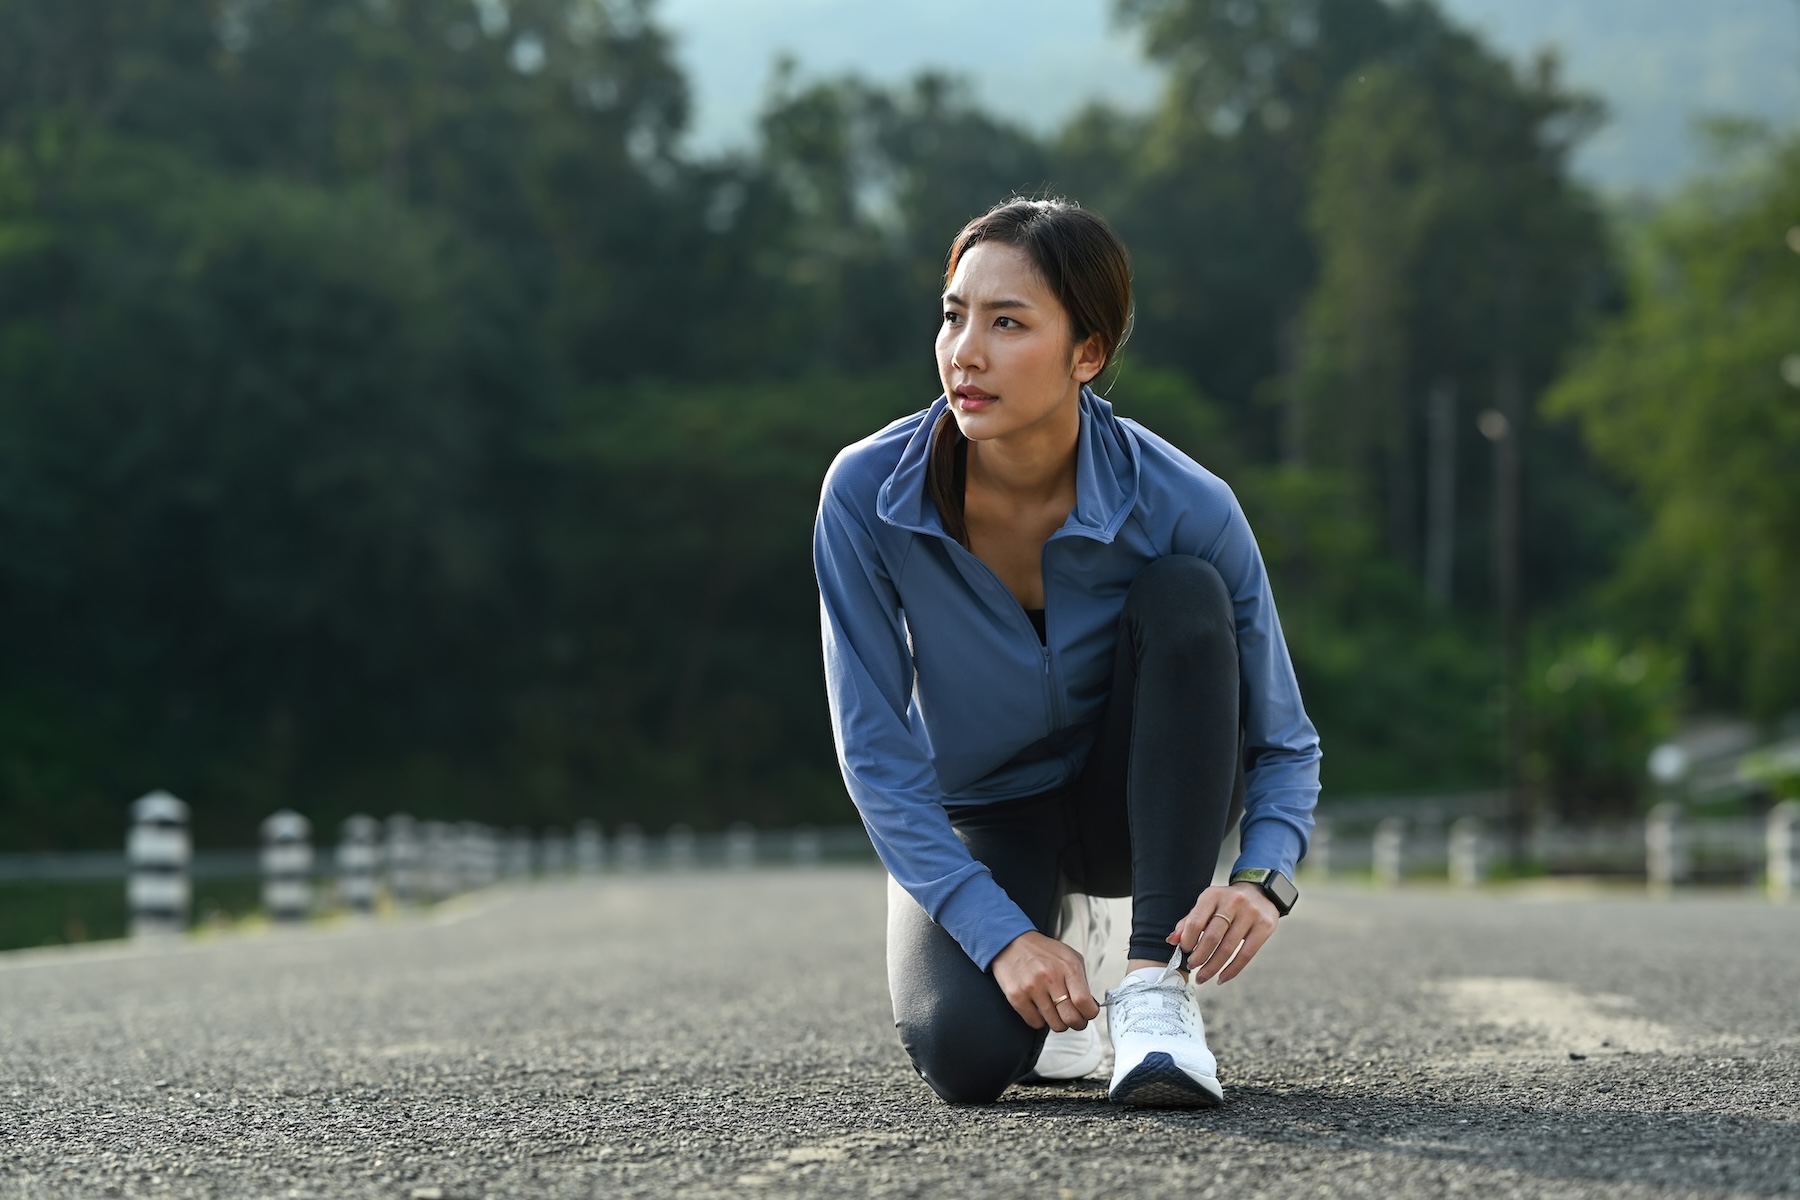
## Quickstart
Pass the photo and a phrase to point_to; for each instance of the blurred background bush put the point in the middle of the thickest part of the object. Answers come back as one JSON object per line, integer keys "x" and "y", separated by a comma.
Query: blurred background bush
{"x": 395, "y": 415}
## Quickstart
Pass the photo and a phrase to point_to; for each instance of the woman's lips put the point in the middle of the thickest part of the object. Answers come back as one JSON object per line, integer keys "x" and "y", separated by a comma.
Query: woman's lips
{"x": 972, "y": 400}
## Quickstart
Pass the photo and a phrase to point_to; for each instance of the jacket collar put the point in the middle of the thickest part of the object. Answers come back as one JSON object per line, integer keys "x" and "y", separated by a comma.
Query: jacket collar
{"x": 1106, "y": 475}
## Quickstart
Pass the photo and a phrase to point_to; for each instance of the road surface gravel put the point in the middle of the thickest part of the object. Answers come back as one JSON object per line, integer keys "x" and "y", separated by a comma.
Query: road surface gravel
{"x": 728, "y": 1034}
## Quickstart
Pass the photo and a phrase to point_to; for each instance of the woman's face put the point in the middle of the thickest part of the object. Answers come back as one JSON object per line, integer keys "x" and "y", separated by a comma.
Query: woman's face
{"x": 1004, "y": 352}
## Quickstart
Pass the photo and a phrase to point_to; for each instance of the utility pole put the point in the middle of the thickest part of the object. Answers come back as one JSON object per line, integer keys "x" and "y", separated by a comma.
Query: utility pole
{"x": 1503, "y": 425}
{"x": 1440, "y": 487}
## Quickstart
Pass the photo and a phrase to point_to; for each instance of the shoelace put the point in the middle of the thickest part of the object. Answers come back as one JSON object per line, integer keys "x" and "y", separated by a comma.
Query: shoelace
{"x": 1169, "y": 1015}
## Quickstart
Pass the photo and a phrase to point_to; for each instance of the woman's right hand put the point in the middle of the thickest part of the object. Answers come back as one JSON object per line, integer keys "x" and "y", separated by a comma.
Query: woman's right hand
{"x": 1045, "y": 982}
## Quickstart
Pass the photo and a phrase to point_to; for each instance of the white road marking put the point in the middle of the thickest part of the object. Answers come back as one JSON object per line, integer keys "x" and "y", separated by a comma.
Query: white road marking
{"x": 1545, "y": 1016}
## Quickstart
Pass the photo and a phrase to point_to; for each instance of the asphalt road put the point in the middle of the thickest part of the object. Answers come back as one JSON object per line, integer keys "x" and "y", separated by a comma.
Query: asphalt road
{"x": 714, "y": 1035}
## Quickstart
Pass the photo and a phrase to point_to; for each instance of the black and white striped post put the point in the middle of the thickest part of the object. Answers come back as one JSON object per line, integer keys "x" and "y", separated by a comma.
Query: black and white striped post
{"x": 555, "y": 855}
{"x": 740, "y": 846}
{"x": 485, "y": 854}
{"x": 1467, "y": 852}
{"x": 158, "y": 851}
{"x": 1318, "y": 849}
{"x": 628, "y": 848}
{"x": 590, "y": 848}
{"x": 358, "y": 863}
{"x": 680, "y": 855}
{"x": 404, "y": 860}
{"x": 1389, "y": 852}
{"x": 287, "y": 861}
{"x": 807, "y": 847}
{"x": 1782, "y": 838}
{"x": 440, "y": 873}
{"x": 1665, "y": 848}
{"x": 518, "y": 855}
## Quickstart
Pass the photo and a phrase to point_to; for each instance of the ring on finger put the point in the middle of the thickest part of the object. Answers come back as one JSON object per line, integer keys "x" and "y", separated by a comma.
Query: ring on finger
{"x": 1218, "y": 917}
{"x": 1058, "y": 999}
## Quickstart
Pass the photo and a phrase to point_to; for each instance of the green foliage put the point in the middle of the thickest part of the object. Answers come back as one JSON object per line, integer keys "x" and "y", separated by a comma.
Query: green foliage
{"x": 1402, "y": 693}
{"x": 686, "y": 620}
{"x": 1595, "y": 711}
{"x": 45, "y": 913}
{"x": 1687, "y": 395}
{"x": 391, "y": 418}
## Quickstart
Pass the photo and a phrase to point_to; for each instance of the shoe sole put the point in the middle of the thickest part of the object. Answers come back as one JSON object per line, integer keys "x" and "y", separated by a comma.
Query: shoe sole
{"x": 1158, "y": 1083}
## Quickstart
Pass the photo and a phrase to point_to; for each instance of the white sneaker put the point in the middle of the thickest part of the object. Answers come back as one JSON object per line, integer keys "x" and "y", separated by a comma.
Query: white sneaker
{"x": 1160, "y": 1059}
{"x": 1085, "y": 924}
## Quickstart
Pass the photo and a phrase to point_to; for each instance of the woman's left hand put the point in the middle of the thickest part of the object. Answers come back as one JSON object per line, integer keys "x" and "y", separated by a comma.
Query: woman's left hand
{"x": 1237, "y": 918}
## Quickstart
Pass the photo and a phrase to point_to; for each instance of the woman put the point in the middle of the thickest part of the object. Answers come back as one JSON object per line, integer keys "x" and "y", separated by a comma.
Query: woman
{"x": 1049, "y": 646}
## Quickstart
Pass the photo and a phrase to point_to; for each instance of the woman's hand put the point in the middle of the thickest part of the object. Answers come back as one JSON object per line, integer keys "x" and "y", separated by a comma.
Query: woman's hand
{"x": 1238, "y": 918}
{"x": 1045, "y": 982}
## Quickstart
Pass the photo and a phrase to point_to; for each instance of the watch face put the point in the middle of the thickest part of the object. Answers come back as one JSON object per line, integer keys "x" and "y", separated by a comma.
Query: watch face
{"x": 1275, "y": 885}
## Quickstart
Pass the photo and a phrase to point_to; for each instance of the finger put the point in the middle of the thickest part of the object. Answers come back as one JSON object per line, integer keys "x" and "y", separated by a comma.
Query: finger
{"x": 1206, "y": 947}
{"x": 1231, "y": 939}
{"x": 1026, "y": 1006}
{"x": 1079, "y": 1000}
{"x": 1259, "y": 937}
{"x": 1048, "y": 1007}
{"x": 1192, "y": 928}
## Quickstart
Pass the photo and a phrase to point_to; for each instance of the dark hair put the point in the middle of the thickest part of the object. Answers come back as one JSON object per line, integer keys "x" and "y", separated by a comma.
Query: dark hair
{"x": 1083, "y": 262}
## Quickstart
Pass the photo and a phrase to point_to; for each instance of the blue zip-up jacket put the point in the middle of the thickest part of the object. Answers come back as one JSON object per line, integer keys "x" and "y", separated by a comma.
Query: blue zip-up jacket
{"x": 941, "y": 694}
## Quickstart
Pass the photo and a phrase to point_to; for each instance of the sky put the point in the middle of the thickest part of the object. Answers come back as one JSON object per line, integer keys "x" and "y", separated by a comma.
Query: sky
{"x": 1656, "y": 63}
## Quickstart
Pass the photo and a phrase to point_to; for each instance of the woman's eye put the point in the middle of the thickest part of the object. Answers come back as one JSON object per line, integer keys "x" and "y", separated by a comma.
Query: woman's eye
{"x": 951, "y": 318}
{"x": 1007, "y": 323}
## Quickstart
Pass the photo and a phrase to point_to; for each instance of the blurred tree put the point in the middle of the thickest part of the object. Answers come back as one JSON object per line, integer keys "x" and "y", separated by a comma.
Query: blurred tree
{"x": 1690, "y": 396}
{"x": 251, "y": 458}
{"x": 1595, "y": 709}
{"x": 1457, "y": 258}
{"x": 392, "y": 417}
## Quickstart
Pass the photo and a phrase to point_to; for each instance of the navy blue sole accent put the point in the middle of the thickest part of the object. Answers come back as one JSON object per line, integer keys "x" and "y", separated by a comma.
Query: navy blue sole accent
{"x": 1158, "y": 1083}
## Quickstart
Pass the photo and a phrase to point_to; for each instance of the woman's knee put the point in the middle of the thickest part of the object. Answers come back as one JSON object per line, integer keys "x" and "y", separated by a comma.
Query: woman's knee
{"x": 969, "y": 1062}
{"x": 1181, "y": 595}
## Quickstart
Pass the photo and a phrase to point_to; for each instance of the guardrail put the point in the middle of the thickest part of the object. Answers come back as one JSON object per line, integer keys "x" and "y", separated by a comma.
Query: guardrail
{"x": 1665, "y": 849}
{"x": 402, "y": 862}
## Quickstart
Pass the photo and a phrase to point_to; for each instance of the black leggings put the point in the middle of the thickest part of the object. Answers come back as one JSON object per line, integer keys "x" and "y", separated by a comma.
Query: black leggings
{"x": 1145, "y": 819}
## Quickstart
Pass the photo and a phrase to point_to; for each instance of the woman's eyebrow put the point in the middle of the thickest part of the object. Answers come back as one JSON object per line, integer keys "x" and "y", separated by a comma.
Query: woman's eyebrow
{"x": 1005, "y": 302}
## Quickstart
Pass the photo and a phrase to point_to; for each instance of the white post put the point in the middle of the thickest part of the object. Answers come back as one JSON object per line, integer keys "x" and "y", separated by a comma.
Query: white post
{"x": 629, "y": 848}
{"x": 808, "y": 847}
{"x": 471, "y": 856}
{"x": 1784, "y": 850}
{"x": 1318, "y": 849}
{"x": 158, "y": 851}
{"x": 440, "y": 860}
{"x": 358, "y": 857}
{"x": 518, "y": 854}
{"x": 287, "y": 860}
{"x": 1389, "y": 852}
{"x": 404, "y": 860}
{"x": 492, "y": 858}
{"x": 680, "y": 856}
{"x": 740, "y": 846}
{"x": 1467, "y": 852}
{"x": 1665, "y": 848}
{"x": 555, "y": 854}
{"x": 590, "y": 848}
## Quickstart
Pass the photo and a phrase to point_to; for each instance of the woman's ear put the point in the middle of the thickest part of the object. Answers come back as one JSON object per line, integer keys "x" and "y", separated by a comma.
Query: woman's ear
{"x": 1090, "y": 359}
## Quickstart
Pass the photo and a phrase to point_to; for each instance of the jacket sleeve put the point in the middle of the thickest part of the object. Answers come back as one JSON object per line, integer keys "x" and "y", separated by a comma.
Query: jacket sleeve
{"x": 886, "y": 764}
{"x": 1281, "y": 747}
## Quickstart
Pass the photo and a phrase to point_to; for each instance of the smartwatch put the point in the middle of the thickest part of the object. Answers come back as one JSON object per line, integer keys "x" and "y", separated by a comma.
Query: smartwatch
{"x": 1277, "y": 887}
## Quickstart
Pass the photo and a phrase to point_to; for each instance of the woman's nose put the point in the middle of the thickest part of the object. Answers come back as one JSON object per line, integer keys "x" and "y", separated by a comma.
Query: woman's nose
{"x": 965, "y": 350}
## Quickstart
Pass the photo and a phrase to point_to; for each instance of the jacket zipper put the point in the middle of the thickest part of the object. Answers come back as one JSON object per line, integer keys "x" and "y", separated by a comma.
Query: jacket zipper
{"x": 1052, "y": 701}
{"x": 1054, "y": 693}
